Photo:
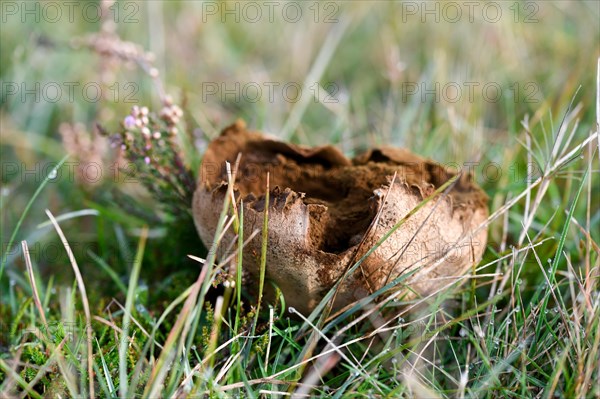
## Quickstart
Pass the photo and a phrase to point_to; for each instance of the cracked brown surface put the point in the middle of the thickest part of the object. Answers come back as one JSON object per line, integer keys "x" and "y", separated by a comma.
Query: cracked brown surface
{"x": 322, "y": 205}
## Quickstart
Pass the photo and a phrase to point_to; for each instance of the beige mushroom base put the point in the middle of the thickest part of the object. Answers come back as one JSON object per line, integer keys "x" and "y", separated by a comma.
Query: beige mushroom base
{"x": 326, "y": 211}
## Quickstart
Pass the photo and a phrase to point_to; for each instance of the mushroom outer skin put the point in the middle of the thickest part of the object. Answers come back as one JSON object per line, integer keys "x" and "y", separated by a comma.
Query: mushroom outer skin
{"x": 327, "y": 211}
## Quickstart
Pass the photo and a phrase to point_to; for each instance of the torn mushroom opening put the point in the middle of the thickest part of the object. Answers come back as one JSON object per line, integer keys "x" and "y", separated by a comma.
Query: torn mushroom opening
{"x": 324, "y": 204}
{"x": 339, "y": 197}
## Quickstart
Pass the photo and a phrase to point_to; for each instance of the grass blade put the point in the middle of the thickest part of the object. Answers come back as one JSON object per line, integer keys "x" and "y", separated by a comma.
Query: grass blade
{"x": 123, "y": 344}
{"x": 26, "y": 211}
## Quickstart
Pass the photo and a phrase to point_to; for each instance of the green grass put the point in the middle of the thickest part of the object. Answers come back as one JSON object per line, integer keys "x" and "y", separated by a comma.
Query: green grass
{"x": 161, "y": 323}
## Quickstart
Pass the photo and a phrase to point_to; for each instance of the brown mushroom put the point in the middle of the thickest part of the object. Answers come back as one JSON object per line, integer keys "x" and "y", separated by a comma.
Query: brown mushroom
{"x": 326, "y": 211}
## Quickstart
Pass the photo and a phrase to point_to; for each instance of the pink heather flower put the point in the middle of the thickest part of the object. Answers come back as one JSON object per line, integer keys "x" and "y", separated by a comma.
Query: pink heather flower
{"x": 165, "y": 112}
{"x": 177, "y": 111}
{"x": 147, "y": 160}
{"x": 129, "y": 122}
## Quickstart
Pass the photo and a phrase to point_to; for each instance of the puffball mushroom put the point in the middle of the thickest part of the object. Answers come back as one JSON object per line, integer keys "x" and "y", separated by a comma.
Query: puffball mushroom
{"x": 327, "y": 211}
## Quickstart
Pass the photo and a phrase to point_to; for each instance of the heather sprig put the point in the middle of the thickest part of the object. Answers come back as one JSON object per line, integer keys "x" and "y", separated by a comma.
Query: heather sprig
{"x": 149, "y": 143}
